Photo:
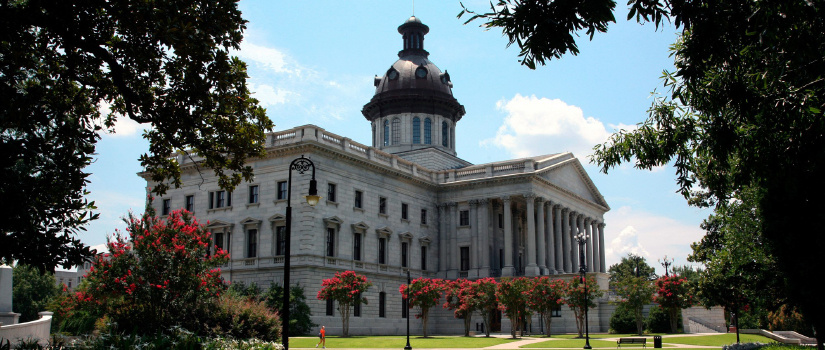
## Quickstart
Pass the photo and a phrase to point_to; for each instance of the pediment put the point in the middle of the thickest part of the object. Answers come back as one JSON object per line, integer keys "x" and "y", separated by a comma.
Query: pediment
{"x": 384, "y": 232}
{"x": 251, "y": 221}
{"x": 277, "y": 218}
{"x": 219, "y": 224}
{"x": 360, "y": 226}
{"x": 425, "y": 240}
{"x": 405, "y": 235}
{"x": 333, "y": 220}
{"x": 570, "y": 176}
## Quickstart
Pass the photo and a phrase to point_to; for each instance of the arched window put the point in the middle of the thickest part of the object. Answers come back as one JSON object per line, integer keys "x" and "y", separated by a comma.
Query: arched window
{"x": 416, "y": 130}
{"x": 386, "y": 133}
{"x": 396, "y": 131}
{"x": 428, "y": 131}
{"x": 445, "y": 134}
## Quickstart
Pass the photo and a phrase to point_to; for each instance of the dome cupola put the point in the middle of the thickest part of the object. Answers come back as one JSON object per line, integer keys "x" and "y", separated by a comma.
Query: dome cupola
{"x": 413, "y": 106}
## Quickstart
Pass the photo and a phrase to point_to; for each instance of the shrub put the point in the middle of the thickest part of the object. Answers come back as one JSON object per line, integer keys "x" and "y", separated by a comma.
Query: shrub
{"x": 240, "y": 317}
{"x": 32, "y": 291}
{"x": 658, "y": 320}
{"x": 623, "y": 319}
{"x": 300, "y": 321}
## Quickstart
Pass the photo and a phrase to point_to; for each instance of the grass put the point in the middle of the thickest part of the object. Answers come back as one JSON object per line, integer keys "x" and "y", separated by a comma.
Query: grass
{"x": 717, "y": 339}
{"x": 573, "y": 344}
{"x": 398, "y": 342}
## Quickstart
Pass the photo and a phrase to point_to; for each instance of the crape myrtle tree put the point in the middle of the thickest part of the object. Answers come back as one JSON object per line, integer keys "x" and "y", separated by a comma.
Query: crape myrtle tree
{"x": 485, "y": 300}
{"x": 576, "y": 298}
{"x": 512, "y": 301}
{"x": 346, "y": 289}
{"x": 164, "y": 64}
{"x": 458, "y": 296}
{"x": 423, "y": 293}
{"x": 673, "y": 294}
{"x": 743, "y": 108}
{"x": 635, "y": 293}
{"x": 545, "y": 295}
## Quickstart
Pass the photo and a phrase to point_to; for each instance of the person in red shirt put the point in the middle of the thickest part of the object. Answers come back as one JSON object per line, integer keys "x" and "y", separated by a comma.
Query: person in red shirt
{"x": 323, "y": 335}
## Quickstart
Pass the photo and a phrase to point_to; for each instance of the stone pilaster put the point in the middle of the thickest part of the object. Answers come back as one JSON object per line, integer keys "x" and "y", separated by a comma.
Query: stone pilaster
{"x": 508, "y": 269}
{"x": 551, "y": 239}
{"x": 474, "y": 244}
{"x": 443, "y": 244}
{"x": 531, "y": 269}
{"x": 558, "y": 230}
{"x": 453, "y": 253}
{"x": 484, "y": 234}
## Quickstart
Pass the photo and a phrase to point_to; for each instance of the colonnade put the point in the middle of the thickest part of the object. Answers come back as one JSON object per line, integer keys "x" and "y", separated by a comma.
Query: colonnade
{"x": 516, "y": 235}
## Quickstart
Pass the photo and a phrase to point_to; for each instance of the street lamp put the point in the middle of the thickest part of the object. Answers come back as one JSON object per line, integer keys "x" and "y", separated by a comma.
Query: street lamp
{"x": 302, "y": 165}
{"x": 666, "y": 263}
{"x": 581, "y": 238}
{"x": 408, "y": 347}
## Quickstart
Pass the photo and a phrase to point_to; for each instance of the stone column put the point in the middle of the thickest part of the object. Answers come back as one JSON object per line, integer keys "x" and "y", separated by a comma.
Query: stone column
{"x": 541, "y": 235}
{"x": 474, "y": 245}
{"x": 453, "y": 252}
{"x": 551, "y": 246}
{"x": 508, "y": 269}
{"x": 566, "y": 239}
{"x": 442, "y": 239}
{"x": 601, "y": 248}
{"x": 558, "y": 230}
{"x": 484, "y": 234}
{"x": 575, "y": 219}
{"x": 532, "y": 269}
{"x": 594, "y": 226}
{"x": 589, "y": 248}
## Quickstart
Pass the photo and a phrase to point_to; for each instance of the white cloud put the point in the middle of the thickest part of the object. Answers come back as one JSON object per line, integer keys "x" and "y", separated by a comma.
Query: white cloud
{"x": 649, "y": 236}
{"x": 124, "y": 126}
{"x": 268, "y": 95}
{"x": 535, "y": 126}
{"x": 268, "y": 57}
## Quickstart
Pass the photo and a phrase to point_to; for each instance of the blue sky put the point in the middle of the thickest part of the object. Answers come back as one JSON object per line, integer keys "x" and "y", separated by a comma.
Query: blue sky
{"x": 314, "y": 63}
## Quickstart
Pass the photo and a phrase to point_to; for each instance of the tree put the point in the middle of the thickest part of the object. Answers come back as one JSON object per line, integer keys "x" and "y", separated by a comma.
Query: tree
{"x": 631, "y": 265}
{"x": 458, "y": 295}
{"x": 161, "y": 275}
{"x": 673, "y": 295}
{"x": 346, "y": 288}
{"x": 744, "y": 109}
{"x": 32, "y": 291}
{"x": 166, "y": 64}
{"x": 423, "y": 293}
{"x": 636, "y": 292}
{"x": 485, "y": 300}
{"x": 512, "y": 301}
{"x": 576, "y": 298}
{"x": 544, "y": 296}
{"x": 300, "y": 321}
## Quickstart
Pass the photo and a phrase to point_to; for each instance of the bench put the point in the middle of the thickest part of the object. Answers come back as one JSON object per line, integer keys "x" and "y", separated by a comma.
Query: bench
{"x": 642, "y": 341}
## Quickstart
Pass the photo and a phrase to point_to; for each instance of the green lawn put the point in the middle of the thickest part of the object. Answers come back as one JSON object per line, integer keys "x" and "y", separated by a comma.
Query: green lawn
{"x": 717, "y": 339}
{"x": 398, "y": 342}
{"x": 572, "y": 344}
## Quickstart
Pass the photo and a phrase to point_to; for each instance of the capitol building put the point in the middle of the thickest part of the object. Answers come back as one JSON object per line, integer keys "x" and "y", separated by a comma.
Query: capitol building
{"x": 405, "y": 202}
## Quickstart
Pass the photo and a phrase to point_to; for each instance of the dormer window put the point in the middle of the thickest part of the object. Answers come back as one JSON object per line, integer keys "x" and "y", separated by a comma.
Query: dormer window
{"x": 392, "y": 74}
{"x": 445, "y": 78}
{"x": 421, "y": 72}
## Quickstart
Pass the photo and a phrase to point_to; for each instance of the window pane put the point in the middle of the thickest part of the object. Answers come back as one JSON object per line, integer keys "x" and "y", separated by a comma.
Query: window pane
{"x": 252, "y": 243}
{"x": 330, "y": 242}
{"x": 282, "y": 190}
{"x": 416, "y": 125}
{"x": 404, "y": 207}
{"x": 386, "y": 133}
{"x": 331, "y": 192}
{"x": 423, "y": 257}
{"x": 428, "y": 131}
{"x": 356, "y": 245}
{"x": 382, "y": 250}
{"x": 190, "y": 204}
{"x": 253, "y": 194}
{"x": 382, "y": 205}
{"x": 423, "y": 216}
{"x": 396, "y": 131}
{"x": 445, "y": 132}
{"x": 358, "y": 195}
{"x": 465, "y": 258}
{"x": 280, "y": 248}
{"x": 404, "y": 249}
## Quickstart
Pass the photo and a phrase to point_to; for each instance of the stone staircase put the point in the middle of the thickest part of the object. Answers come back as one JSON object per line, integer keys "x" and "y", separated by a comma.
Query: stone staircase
{"x": 794, "y": 335}
{"x": 699, "y": 326}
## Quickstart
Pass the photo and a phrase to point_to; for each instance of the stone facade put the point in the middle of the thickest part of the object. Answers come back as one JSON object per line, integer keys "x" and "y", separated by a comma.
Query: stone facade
{"x": 405, "y": 203}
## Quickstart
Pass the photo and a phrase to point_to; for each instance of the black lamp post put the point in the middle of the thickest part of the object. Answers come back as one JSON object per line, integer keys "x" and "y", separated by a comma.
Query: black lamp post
{"x": 302, "y": 165}
{"x": 666, "y": 263}
{"x": 407, "y": 305}
{"x": 581, "y": 238}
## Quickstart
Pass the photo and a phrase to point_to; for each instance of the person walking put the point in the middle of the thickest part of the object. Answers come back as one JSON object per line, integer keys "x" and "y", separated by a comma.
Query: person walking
{"x": 323, "y": 335}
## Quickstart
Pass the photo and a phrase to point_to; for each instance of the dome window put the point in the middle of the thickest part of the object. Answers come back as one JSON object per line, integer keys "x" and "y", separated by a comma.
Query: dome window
{"x": 421, "y": 72}
{"x": 445, "y": 78}
{"x": 392, "y": 74}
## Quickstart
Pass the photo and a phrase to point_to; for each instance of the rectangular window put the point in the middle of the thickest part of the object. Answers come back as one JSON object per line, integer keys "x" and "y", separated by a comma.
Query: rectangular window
{"x": 382, "y": 250}
{"x": 382, "y": 205}
{"x": 167, "y": 206}
{"x": 382, "y": 304}
{"x": 330, "y": 241}
{"x": 356, "y": 246}
{"x": 252, "y": 243}
{"x": 404, "y": 250}
{"x": 424, "y": 257}
{"x": 464, "y": 218}
{"x": 211, "y": 200}
{"x": 423, "y": 216}
{"x": 220, "y": 199}
{"x": 356, "y": 309}
{"x": 556, "y": 312}
{"x": 465, "y": 258}
{"x": 282, "y": 191}
{"x": 190, "y": 203}
{"x": 217, "y": 240}
{"x": 404, "y": 210}
{"x": 253, "y": 194}
{"x": 358, "y": 199}
{"x": 280, "y": 238}
{"x": 331, "y": 192}
{"x": 330, "y": 308}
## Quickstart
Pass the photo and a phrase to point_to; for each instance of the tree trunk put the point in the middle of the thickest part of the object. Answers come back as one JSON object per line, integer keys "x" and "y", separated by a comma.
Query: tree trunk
{"x": 548, "y": 317}
{"x": 344, "y": 309}
{"x": 425, "y": 313}
{"x": 486, "y": 316}
{"x": 639, "y": 321}
{"x": 579, "y": 322}
{"x": 673, "y": 314}
{"x": 467, "y": 320}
